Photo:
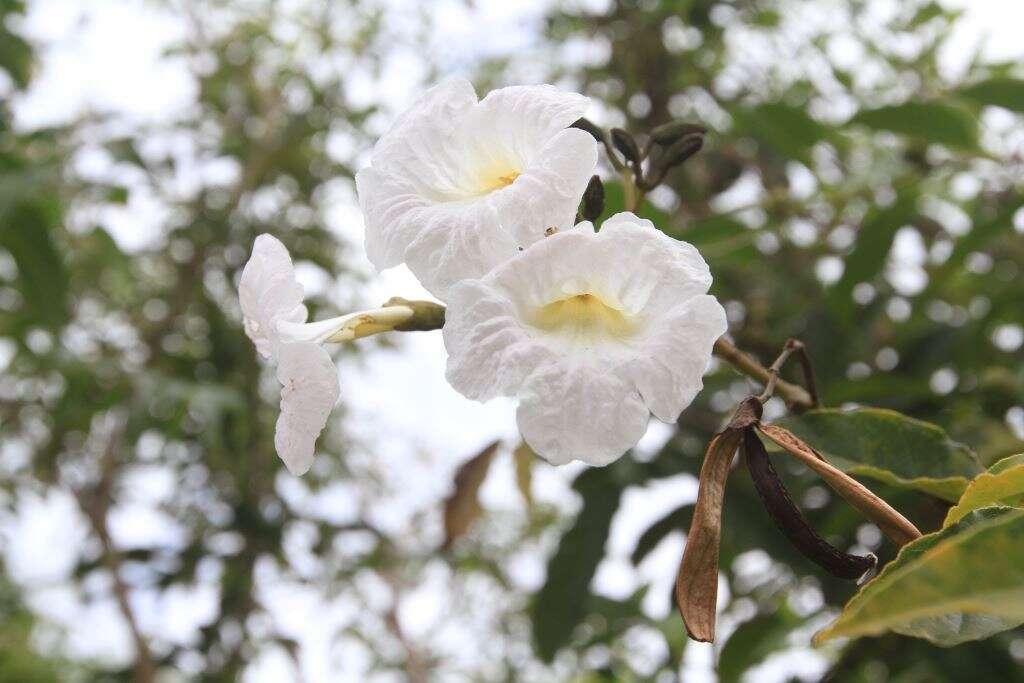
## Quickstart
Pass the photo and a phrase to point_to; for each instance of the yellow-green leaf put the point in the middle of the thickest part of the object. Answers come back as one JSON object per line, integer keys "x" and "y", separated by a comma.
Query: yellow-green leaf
{"x": 965, "y": 582}
{"x": 889, "y": 447}
{"x": 1003, "y": 484}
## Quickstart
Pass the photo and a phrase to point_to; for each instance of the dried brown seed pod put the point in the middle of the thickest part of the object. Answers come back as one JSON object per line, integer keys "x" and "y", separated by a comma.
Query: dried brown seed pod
{"x": 696, "y": 588}
{"x": 790, "y": 520}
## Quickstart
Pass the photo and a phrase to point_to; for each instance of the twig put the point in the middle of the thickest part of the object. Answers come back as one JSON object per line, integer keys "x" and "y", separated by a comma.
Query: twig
{"x": 417, "y": 664}
{"x": 795, "y": 396}
{"x": 792, "y": 346}
{"x": 602, "y": 136}
{"x": 95, "y": 504}
{"x": 145, "y": 669}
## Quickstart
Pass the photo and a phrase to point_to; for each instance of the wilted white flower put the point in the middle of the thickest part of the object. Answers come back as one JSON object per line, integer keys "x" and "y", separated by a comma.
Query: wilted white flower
{"x": 275, "y": 320}
{"x": 592, "y": 331}
{"x": 457, "y": 185}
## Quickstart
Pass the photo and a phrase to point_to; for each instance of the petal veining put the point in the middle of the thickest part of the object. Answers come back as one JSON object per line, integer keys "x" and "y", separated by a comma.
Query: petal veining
{"x": 309, "y": 390}
{"x": 457, "y": 186}
{"x": 592, "y": 331}
{"x": 268, "y": 292}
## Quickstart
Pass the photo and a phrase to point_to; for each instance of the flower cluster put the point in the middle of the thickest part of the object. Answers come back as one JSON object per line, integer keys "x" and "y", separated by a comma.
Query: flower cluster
{"x": 592, "y": 330}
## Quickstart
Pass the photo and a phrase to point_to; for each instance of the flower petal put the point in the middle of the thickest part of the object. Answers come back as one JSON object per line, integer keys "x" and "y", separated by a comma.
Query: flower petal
{"x": 547, "y": 193}
{"x": 456, "y": 242}
{"x": 309, "y": 382}
{"x": 523, "y": 118}
{"x": 489, "y": 352}
{"x": 656, "y": 271}
{"x": 676, "y": 352}
{"x": 578, "y": 410}
{"x": 441, "y": 243}
{"x": 629, "y": 262}
{"x": 592, "y": 331}
{"x": 418, "y": 148}
{"x": 456, "y": 186}
{"x": 268, "y": 292}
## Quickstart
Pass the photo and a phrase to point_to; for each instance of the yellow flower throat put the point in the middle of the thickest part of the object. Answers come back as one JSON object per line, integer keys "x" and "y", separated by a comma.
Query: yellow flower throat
{"x": 582, "y": 314}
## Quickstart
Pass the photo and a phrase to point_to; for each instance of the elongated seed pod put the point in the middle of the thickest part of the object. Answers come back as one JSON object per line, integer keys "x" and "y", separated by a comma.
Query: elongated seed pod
{"x": 791, "y": 521}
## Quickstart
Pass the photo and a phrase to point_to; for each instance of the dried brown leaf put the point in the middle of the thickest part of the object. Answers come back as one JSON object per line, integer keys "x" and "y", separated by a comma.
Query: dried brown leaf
{"x": 524, "y": 458}
{"x": 462, "y": 508}
{"x": 791, "y": 521}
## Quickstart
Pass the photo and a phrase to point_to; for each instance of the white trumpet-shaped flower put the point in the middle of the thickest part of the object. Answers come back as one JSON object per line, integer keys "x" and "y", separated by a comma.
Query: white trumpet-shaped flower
{"x": 592, "y": 331}
{"x": 275, "y": 320}
{"x": 457, "y": 185}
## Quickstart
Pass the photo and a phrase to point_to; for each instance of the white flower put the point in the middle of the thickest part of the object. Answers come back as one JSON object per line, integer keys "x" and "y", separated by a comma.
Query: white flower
{"x": 275, "y": 320}
{"x": 592, "y": 331}
{"x": 457, "y": 185}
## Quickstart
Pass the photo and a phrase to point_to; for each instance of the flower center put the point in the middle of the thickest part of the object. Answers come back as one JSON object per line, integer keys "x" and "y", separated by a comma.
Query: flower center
{"x": 582, "y": 315}
{"x": 499, "y": 180}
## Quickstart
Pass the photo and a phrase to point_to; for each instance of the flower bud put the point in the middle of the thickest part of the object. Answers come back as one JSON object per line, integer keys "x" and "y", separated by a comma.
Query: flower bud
{"x": 593, "y": 199}
{"x": 668, "y": 133}
{"x": 682, "y": 149}
{"x": 587, "y": 125}
{"x": 678, "y": 152}
{"x": 625, "y": 143}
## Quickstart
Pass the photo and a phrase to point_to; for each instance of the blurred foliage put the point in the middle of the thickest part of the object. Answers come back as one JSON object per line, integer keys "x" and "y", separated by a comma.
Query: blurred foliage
{"x": 125, "y": 363}
{"x": 842, "y": 160}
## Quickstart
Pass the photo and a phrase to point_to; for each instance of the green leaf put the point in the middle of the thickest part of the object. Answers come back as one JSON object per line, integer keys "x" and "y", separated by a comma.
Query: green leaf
{"x": 981, "y": 233}
{"x": 619, "y": 616}
{"x": 965, "y": 582}
{"x": 561, "y": 603}
{"x": 1003, "y": 484}
{"x": 766, "y": 18}
{"x": 925, "y": 14}
{"x": 1000, "y": 92}
{"x": 890, "y": 447}
{"x": 787, "y": 129}
{"x": 890, "y": 389}
{"x": 874, "y": 240}
{"x": 42, "y": 277}
{"x": 924, "y": 121}
{"x": 16, "y": 56}
{"x": 754, "y": 641}
{"x": 676, "y": 520}
{"x": 116, "y": 194}
{"x": 721, "y": 239}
